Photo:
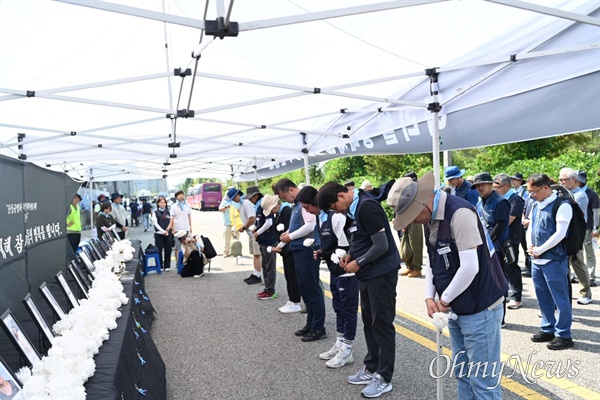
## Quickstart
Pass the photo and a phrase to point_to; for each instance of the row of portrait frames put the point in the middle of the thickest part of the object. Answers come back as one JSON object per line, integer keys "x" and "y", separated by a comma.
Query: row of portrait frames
{"x": 11, "y": 386}
{"x": 19, "y": 338}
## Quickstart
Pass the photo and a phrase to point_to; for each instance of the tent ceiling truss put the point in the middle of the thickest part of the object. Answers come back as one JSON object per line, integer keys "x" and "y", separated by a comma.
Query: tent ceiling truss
{"x": 297, "y": 91}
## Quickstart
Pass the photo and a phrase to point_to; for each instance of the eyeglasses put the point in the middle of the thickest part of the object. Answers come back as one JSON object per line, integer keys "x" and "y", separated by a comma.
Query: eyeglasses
{"x": 534, "y": 192}
{"x": 562, "y": 180}
{"x": 498, "y": 186}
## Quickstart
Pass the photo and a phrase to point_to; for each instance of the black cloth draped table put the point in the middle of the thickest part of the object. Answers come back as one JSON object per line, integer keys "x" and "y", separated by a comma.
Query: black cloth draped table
{"x": 128, "y": 365}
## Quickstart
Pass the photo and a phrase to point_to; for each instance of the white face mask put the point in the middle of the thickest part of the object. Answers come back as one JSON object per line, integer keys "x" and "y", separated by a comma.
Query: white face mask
{"x": 161, "y": 209}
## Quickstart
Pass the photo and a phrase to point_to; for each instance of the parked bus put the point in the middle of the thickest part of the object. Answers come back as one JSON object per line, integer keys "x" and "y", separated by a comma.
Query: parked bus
{"x": 209, "y": 196}
{"x": 190, "y": 197}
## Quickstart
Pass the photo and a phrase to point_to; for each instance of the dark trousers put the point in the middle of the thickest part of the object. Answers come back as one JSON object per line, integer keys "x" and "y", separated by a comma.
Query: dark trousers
{"x": 289, "y": 271}
{"x": 344, "y": 293}
{"x": 524, "y": 247}
{"x": 193, "y": 266}
{"x": 269, "y": 272}
{"x": 121, "y": 235}
{"x": 307, "y": 272}
{"x": 164, "y": 244}
{"x": 512, "y": 272}
{"x": 378, "y": 305}
{"x": 74, "y": 239}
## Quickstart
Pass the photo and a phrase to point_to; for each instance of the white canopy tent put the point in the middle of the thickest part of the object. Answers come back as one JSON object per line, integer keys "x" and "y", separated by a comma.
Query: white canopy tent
{"x": 105, "y": 90}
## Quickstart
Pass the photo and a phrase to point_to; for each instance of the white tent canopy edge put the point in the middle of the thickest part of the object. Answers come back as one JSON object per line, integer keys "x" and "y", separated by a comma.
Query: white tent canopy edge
{"x": 367, "y": 122}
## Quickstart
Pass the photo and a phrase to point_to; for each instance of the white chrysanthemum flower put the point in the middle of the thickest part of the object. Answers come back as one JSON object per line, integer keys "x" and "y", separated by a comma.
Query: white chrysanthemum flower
{"x": 308, "y": 242}
{"x": 440, "y": 320}
{"x": 269, "y": 249}
{"x": 280, "y": 227}
{"x": 252, "y": 228}
{"x": 340, "y": 253}
{"x": 335, "y": 259}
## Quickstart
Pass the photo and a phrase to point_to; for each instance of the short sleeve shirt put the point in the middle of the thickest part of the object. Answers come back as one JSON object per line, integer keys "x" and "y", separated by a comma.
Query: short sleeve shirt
{"x": 180, "y": 214}
{"x": 247, "y": 211}
{"x": 463, "y": 226}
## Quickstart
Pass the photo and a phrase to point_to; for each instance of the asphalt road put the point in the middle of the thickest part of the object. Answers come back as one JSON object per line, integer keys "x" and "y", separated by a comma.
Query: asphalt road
{"x": 219, "y": 342}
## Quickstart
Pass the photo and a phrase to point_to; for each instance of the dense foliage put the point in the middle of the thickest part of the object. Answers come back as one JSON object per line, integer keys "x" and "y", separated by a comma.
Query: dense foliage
{"x": 578, "y": 151}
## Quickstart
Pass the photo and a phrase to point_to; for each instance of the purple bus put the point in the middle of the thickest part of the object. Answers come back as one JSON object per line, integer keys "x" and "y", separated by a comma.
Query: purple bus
{"x": 209, "y": 196}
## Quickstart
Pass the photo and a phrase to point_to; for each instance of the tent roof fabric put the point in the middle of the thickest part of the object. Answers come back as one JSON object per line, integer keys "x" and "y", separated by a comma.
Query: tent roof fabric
{"x": 111, "y": 91}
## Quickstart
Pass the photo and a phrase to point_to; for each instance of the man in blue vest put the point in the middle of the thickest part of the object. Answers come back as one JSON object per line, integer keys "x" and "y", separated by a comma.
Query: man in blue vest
{"x": 303, "y": 226}
{"x": 502, "y": 185}
{"x": 344, "y": 285}
{"x": 494, "y": 212}
{"x": 549, "y": 264}
{"x": 460, "y": 187}
{"x": 373, "y": 257}
{"x": 466, "y": 276}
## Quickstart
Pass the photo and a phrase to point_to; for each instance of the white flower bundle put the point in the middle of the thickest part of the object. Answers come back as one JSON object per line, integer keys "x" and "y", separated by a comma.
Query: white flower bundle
{"x": 70, "y": 363}
{"x": 280, "y": 245}
{"x": 337, "y": 255}
{"x": 308, "y": 242}
{"x": 252, "y": 228}
{"x": 440, "y": 319}
{"x": 280, "y": 227}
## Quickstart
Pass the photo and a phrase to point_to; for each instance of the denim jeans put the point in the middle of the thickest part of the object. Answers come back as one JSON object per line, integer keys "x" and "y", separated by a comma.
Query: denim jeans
{"x": 475, "y": 339}
{"x": 146, "y": 221}
{"x": 551, "y": 283}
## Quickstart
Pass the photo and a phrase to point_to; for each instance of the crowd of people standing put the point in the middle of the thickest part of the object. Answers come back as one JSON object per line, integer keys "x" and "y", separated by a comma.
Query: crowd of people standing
{"x": 472, "y": 231}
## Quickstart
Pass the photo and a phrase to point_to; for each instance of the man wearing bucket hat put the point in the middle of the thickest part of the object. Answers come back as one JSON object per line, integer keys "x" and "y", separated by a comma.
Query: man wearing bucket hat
{"x": 464, "y": 273}
{"x": 460, "y": 187}
{"x": 248, "y": 217}
{"x": 265, "y": 235}
{"x": 373, "y": 256}
{"x": 494, "y": 212}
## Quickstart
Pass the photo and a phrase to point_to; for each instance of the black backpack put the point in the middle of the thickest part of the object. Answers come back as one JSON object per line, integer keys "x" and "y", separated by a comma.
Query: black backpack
{"x": 577, "y": 227}
{"x": 209, "y": 250}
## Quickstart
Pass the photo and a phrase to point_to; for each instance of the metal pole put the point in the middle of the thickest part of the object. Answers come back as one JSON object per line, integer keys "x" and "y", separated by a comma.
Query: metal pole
{"x": 91, "y": 186}
{"x": 440, "y": 378}
{"x": 435, "y": 108}
{"x": 436, "y": 145}
{"x": 306, "y": 173}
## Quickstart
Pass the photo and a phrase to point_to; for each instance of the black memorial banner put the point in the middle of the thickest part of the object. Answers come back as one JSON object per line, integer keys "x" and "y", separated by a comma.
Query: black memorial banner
{"x": 33, "y": 240}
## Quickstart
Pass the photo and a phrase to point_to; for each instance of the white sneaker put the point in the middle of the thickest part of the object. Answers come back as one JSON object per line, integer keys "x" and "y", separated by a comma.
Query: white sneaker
{"x": 331, "y": 353}
{"x": 285, "y": 305}
{"x": 377, "y": 387}
{"x": 343, "y": 357}
{"x": 584, "y": 300}
{"x": 290, "y": 308}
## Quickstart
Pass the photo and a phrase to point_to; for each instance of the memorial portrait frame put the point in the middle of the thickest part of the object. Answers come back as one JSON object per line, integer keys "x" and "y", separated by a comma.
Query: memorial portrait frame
{"x": 13, "y": 329}
{"x": 5, "y": 372}
{"x": 38, "y": 318}
{"x": 64, "y": 285}
{"x": 51, "y": 300}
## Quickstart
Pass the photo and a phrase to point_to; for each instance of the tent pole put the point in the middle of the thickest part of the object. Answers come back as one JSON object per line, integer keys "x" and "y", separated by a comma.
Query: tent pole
{"x": 91, "y": 187}
{"x": 306, "y": 173}
{"x": 435, "y": 108}
{"x": 436, "y": 146}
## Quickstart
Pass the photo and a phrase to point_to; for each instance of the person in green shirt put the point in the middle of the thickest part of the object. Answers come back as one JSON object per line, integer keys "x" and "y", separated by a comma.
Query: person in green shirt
{"x": 74, "y": 222}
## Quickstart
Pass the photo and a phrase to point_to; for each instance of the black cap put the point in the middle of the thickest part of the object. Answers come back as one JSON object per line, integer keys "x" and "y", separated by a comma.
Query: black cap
{"x": 482, "y": 177}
